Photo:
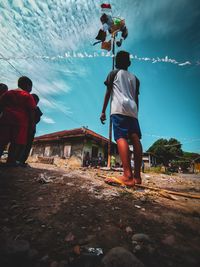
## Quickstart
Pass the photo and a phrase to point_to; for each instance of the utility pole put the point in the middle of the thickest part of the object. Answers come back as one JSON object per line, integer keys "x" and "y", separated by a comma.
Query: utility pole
{"x": 110, "y": 122}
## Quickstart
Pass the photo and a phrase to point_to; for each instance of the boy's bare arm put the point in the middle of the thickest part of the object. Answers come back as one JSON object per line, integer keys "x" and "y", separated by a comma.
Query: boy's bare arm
{"x": 105, "y": 104}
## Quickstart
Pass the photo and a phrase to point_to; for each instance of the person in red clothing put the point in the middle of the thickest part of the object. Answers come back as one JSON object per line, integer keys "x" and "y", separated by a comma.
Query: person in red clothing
{"x": 18, "y": 113}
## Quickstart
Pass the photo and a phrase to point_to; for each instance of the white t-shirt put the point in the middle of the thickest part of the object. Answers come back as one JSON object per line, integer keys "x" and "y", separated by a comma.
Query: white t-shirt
{"x": 123, "y": 96}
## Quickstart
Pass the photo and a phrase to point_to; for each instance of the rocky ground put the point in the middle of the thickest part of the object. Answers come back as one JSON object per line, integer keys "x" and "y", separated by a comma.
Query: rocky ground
{"x": 59, "y": 217}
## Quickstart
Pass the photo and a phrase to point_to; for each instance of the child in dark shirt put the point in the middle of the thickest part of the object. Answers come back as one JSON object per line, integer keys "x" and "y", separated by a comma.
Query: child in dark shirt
{"x": 31, "y": 133}
{"x": 3, "y": 88}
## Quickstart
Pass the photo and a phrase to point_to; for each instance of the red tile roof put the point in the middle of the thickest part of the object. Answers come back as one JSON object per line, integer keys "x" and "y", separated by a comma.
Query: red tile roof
{"x": 78, "y": 132}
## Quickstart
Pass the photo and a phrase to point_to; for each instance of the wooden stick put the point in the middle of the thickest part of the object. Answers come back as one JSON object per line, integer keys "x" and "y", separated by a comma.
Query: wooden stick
{"x": 161, "y": 189}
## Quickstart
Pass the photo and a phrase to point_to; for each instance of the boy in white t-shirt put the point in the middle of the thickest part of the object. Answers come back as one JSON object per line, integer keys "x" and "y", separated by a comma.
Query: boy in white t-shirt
{"x": 123, "y": 87}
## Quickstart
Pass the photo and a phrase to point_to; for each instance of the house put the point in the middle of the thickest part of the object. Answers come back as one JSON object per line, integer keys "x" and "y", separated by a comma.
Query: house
{"x": 149, "y": 159}
{"x": 77, "y": 145}
{"x": 196, "y": 165}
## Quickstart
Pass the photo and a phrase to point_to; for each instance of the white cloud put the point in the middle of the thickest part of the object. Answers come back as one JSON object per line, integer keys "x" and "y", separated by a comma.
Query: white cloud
{"x": 47, "y": 120}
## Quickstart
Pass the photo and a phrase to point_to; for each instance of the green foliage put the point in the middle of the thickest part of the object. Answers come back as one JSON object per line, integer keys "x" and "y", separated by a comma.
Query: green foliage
{"x": 166, "y": 150}
{"x": 157, "y": 169}
{"x": 183, "y": 164}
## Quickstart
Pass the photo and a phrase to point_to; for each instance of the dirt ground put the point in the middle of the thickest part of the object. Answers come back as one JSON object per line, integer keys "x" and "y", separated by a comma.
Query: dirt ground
{"x": 62, "y": 213}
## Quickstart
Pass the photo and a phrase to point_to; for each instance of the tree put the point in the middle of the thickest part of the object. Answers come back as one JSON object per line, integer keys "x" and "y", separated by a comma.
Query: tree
{"x": 166, "y": 150}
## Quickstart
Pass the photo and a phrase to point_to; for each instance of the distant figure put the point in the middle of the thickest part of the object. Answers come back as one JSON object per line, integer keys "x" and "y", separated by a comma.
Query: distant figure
{"x": 87, "y": 160}
{"x": 143, "y": 166}
{"x": 132, "y": 164}
{"x": 18, "y": 113}
{"x": 123, "y": 87}
{"x": 179, "y": 169}
{"x": 113, "y": 161}
{"x": 31, "y": 133}
{"x": 100, "y": 159}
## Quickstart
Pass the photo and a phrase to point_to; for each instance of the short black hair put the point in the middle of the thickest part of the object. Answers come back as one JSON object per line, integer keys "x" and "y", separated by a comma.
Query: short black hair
{"x": 36, "y": 98}
{"x": 25, "y": 83}
{"x": 3, "y": 87}
{"x": 122, "y": 60}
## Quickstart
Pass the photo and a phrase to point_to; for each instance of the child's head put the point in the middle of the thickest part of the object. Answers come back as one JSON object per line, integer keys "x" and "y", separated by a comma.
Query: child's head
{"x": 122, "y": 60}
{"x": 25, "y": 84}
{"x": 3, "y": 88}
{"x": 36, "y": 98}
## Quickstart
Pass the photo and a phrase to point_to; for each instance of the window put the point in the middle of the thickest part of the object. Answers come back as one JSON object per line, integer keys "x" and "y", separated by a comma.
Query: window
{"x": 47, "y": 151}
{"x": 67, "y": 151}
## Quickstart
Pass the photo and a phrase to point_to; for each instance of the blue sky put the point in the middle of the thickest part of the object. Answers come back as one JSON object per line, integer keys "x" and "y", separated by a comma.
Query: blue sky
{"x": 50, "y": 41}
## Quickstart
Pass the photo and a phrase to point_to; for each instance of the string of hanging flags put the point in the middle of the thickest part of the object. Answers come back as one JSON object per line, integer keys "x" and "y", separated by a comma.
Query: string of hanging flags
{"x": 71, "y": 54}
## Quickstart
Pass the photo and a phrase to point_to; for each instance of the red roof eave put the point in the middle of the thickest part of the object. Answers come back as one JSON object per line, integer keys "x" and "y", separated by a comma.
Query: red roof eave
{"x": 79, "y": 132}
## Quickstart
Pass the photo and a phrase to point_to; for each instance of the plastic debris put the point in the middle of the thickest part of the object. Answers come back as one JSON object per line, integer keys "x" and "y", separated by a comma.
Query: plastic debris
{"x": 95, "y": 251}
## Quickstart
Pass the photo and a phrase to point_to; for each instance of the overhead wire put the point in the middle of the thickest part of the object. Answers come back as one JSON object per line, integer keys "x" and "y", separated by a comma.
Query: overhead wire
{"x": 39, "y": 92}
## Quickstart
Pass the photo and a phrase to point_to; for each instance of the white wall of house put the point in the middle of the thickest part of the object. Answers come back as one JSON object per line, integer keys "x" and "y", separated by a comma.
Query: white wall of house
{"x": 66, "y": 150}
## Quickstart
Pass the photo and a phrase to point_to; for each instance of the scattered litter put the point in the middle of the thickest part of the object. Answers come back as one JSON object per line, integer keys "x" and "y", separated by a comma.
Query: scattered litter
{"x": 115, "y": 208}
{"x": 138, "y": 247}
{"x": 95, "y": 251}
{"x": 43, "y": 178}
{"x": 70, "y": 184}
{"x": 138, "y": 207}
{"x": 166, "y": 195}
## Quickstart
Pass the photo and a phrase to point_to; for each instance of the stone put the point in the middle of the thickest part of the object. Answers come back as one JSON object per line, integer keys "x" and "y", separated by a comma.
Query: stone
{"x": 140, "y": 237}
{"x": 138, "y": 207}
{"x": 29, "y": 220}
{"x": 33, "y": 254}
{"x": 54, "y": 264}
{"x": 45, "y": 258}
{"x": 77, "y": 250}
{"x": 63, "y": 264}
{"x": 129, "y": 230}
{"x": 18, "y": 247}
{"x": 143, "y": 199}
{"x": 169, "y": 240}
{"x": 150, "y": 249}
{"x": 120, "y": 257}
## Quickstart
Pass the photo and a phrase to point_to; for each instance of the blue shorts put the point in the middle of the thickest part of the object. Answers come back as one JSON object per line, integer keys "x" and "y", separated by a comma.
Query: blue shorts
{"x": 124, "y": 126}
